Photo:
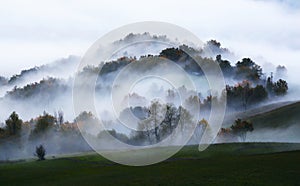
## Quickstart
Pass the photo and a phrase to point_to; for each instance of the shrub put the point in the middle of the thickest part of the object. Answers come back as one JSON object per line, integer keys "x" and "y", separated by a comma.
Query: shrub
{"x": 40, "y": 152}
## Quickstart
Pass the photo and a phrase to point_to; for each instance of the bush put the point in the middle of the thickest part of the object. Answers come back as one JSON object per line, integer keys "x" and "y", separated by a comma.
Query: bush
{"x": 40, "y": 152}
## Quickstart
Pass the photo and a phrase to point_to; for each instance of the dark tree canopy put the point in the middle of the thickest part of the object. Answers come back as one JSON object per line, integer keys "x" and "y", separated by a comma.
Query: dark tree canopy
{"x": 225, "y": 66}
{"x": 13, "y": 124}
{"x": 280, "y": 87}
{"x": 244, "y": 95}
{"x": 174, "y": 54}
{"x": 248, "y": 70}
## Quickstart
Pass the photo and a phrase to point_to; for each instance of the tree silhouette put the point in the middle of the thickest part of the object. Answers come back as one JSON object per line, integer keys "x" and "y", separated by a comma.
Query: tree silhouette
{"x": 40, "y": 152}
{"x": 280, "y": 87}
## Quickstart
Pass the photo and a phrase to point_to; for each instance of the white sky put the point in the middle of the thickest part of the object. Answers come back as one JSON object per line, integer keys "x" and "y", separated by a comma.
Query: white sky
{"x": 38, "y": 32}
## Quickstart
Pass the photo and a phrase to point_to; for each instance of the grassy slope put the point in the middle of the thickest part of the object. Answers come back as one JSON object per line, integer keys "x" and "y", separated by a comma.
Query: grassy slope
{"x": 223, "y": 164}
{"x": 277, "y": 118}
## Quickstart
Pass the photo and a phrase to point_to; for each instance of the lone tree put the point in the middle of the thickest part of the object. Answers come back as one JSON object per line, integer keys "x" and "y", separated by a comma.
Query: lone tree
{"x": 40, "y": 152}
{"x": 241, "y": 127}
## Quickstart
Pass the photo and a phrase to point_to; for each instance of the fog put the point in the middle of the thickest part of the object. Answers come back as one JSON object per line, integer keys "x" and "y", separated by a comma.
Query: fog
{"x": 266, "y": 31}
{"x": 140, "y": 95}
{"x": 62, "y": 68}
{"x": 284, "y": 134}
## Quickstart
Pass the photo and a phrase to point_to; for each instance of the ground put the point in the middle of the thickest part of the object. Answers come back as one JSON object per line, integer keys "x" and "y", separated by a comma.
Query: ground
{"x": 222, "y": 164}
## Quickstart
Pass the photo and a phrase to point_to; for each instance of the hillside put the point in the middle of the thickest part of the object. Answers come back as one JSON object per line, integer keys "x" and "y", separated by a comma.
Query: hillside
{"x": 281, "y": 117}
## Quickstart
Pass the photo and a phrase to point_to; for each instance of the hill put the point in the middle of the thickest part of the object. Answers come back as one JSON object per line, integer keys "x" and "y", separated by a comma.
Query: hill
{"x": 281, "y": 117}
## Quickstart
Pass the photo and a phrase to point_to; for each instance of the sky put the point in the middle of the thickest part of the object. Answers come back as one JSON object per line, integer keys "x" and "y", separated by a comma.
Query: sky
{"x": 38, "y": 32}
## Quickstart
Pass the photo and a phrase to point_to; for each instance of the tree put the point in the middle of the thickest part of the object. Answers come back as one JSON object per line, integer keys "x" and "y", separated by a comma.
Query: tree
{"x": 200, "y": 129}
{"x": 225, "y": 66}
{"x": 60, "y": 117}
{"x": 2, "y": 132}
{"x": 280, "y": 87}
{"x": 13, "y": 124}
{"x": 243, "y": 94}
{"x": 185, "y": 119}
{"x": 84, "y": 117}
{"x": 156, "y": 111}
{"x": 269, "y": 84}
{"x": 240, "y": 128}
{"x": 40, "y": 152}
{"x": 258, "y": 94}
{"x": 44, "y": 122}
{"x": 226, "y": 135}
{"x": 173, "y": 54}
{"x": 88, "y": 123}
{"x": 122, "y": 137}
{"x": 171, "y": 119}
{"x": 247, "y": 69}
{"x": 219, "y": 58}
{"x": 192, "y": 103}
{"x": 144, "y": 131}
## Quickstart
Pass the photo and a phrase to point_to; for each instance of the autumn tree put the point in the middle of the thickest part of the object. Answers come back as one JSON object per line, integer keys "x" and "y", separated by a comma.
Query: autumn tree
{"x": 202, "y": 125}
{"x": 43, "y": 124}
{"x": 87, "y": 122}
{"x": 241, "y": 127}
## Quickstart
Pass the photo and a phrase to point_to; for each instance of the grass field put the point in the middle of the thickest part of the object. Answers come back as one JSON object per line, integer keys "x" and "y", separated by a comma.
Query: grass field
{"x": 222, "y": 164}
{"x": 278, "y": 118}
